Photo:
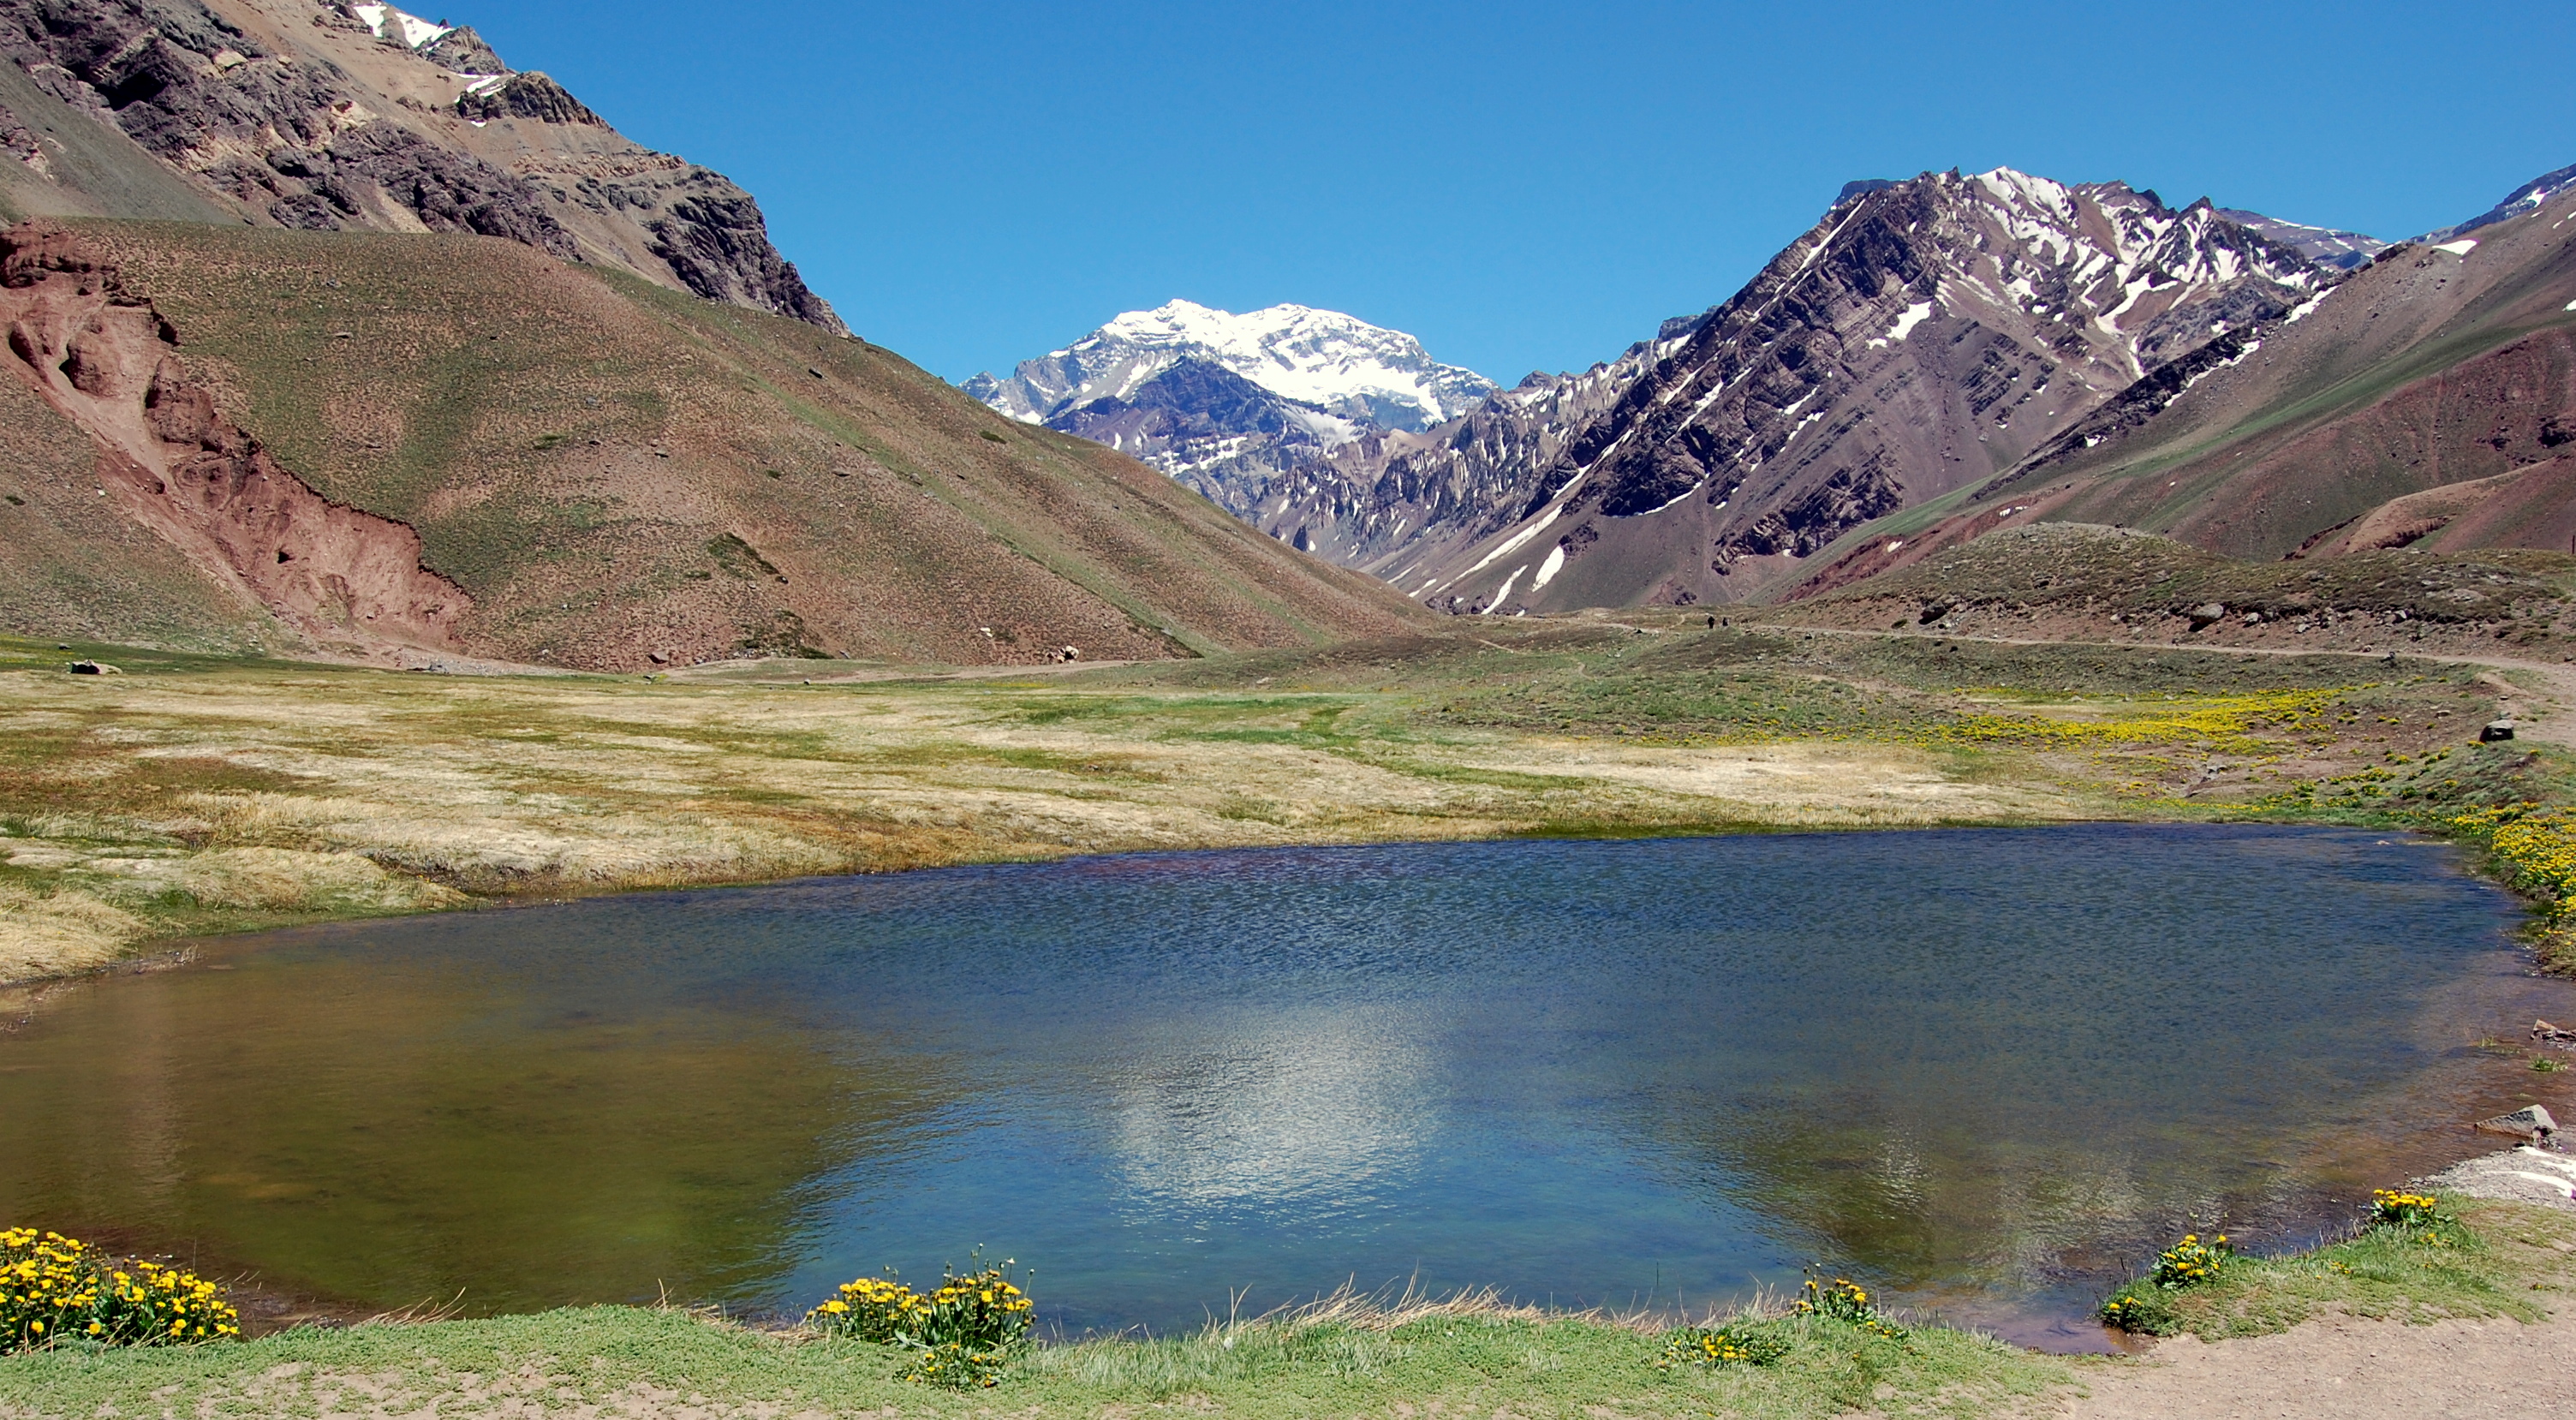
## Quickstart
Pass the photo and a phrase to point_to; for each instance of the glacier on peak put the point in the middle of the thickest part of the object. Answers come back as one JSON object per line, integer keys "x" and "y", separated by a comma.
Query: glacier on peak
{"x": 1336, "y": 363}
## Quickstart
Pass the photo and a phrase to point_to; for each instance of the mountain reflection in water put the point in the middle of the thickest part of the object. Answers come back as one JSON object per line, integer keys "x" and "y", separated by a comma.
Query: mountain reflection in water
{"x": 1987, "y": 1069}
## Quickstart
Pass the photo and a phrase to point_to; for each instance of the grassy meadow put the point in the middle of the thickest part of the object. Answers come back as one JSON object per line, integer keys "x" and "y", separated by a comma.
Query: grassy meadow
{"x": 197, "y": 794}
{"x": 193, "y": 794}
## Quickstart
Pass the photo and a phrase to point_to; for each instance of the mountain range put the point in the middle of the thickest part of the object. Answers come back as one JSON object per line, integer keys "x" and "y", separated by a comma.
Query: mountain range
{"x": 329, "y": 333}
{"x": 1926, "y": 339}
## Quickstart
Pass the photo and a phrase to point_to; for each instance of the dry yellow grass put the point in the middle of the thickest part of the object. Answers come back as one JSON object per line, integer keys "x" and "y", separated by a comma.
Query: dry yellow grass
{"x": 195, "y": 795}
{"x": 145, "y": 805}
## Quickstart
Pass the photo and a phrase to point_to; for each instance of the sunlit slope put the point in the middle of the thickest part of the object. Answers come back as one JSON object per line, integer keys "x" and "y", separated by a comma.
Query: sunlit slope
{"x": 74, "y": 566}
{"x": 2433, "y": 368}
{"x": 2429, "y": 401}
{"x": 612, "y": 471}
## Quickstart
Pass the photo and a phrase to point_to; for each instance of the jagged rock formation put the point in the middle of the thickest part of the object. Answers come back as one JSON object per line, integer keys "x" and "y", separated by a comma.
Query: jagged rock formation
{"x": 1230, "y": 403}
{"x": 323, "y": 115}
{"x": 1923, "y": 336}
{"x": 105, "y": 359}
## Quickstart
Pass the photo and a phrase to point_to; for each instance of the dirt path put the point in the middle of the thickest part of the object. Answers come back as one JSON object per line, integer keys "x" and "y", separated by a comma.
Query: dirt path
{"x": 2349, "y": 1368}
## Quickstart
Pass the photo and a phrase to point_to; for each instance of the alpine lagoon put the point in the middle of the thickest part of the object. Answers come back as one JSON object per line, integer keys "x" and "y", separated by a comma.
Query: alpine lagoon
{"x": 1991, "y": 792}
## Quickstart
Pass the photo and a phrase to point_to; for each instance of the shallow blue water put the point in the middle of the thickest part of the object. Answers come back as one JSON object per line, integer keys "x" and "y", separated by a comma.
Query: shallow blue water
{"x": 1988, "y": 1070}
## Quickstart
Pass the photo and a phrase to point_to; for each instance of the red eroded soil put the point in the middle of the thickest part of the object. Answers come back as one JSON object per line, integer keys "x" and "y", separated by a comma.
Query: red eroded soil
{"x": 109, "y": 363}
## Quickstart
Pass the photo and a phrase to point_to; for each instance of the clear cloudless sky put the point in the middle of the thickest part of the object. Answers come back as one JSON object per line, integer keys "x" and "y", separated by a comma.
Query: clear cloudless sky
{"x": 1521, "y": 185}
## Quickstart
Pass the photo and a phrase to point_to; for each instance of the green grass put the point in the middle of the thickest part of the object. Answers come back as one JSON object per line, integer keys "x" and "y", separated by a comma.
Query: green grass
{"x": 2498, "y": 1260}
{"x": 1343, "y": 1355}
{"x": 650, "y": 1360}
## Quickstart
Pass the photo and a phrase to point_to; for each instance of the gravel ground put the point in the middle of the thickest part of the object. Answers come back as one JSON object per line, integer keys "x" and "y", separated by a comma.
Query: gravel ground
{"x": 2521, "y": 1175}
{"x": 2350, "y": 1368}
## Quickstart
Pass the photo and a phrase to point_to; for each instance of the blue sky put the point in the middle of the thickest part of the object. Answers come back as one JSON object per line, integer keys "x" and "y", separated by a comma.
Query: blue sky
{"x": 1523, "y": 186}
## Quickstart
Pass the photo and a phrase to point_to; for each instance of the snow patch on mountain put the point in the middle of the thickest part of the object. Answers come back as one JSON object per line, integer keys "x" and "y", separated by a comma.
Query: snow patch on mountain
{"x": 1906, "y": 320}
{"x": 2344, "y": 251}
{"x": 411, "y": 29}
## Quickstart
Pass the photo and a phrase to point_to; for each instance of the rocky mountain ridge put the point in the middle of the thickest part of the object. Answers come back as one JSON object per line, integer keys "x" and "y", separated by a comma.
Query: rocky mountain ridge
{"x": 2428, "y": 403}
{"x": 323, "y": 115}
{"x": 2523, "y": 200}
{"x": 1923, "y": 336}
{"x": 1228, "y": 403}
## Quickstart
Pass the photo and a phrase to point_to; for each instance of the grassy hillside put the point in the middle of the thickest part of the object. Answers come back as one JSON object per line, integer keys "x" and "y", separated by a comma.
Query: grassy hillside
{"x": 615, "y": 472}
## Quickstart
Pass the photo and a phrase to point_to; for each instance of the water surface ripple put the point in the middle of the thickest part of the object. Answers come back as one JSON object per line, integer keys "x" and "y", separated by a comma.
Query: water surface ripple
{"x": 1986, "y": 1069}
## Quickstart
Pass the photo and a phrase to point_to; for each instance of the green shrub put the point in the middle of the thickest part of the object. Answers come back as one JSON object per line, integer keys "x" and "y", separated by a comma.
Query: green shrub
{"x": 2392, "y": 1209}
{"x": 1845, "y": 1300}
{"x": 2145, "y": 1306}
{"x": 959, "y": 1336}
{"x": 2191, "y": 1262}
{"x": 54, "y": 1289}
{"x": 869, "y": 1309}
{"x": 1737, "y": 1343}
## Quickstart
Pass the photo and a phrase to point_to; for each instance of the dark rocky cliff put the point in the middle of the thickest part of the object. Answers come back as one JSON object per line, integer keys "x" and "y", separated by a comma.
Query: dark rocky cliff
{"x": 302, "y": 114}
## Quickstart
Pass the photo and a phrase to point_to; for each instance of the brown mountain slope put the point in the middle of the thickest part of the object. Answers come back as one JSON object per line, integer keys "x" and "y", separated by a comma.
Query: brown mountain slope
{"x": 604, "y": 471}
{"x": 325, "y": 115}
{"x": 2430, "y": 400}
{"x": 1923, "y": 336}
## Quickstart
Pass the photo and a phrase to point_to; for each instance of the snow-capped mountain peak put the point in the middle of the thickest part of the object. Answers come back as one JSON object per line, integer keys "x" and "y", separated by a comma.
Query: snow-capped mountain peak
{"x": 1228, "y": 403}
{"x": 1334, "y": 362}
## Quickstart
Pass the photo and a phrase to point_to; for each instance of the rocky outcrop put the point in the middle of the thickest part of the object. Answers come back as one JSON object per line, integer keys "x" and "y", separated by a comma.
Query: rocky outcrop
{"x": 106, "y": 360}
{"x": 717, "y": 243}
{"x": 530, "y": 96}
{"x": 322, "y": 115}
{"x": 370, "y": 168}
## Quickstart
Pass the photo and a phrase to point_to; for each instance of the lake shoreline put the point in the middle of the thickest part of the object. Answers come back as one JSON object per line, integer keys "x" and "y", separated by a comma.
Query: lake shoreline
{"x": 1353, "y": 1355}
{"x": 199, "y": 799}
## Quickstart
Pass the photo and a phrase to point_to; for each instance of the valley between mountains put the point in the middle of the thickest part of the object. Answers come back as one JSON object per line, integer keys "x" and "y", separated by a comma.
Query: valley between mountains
{"x": 418, "y": 497}
{"x": 334, "y": 339}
